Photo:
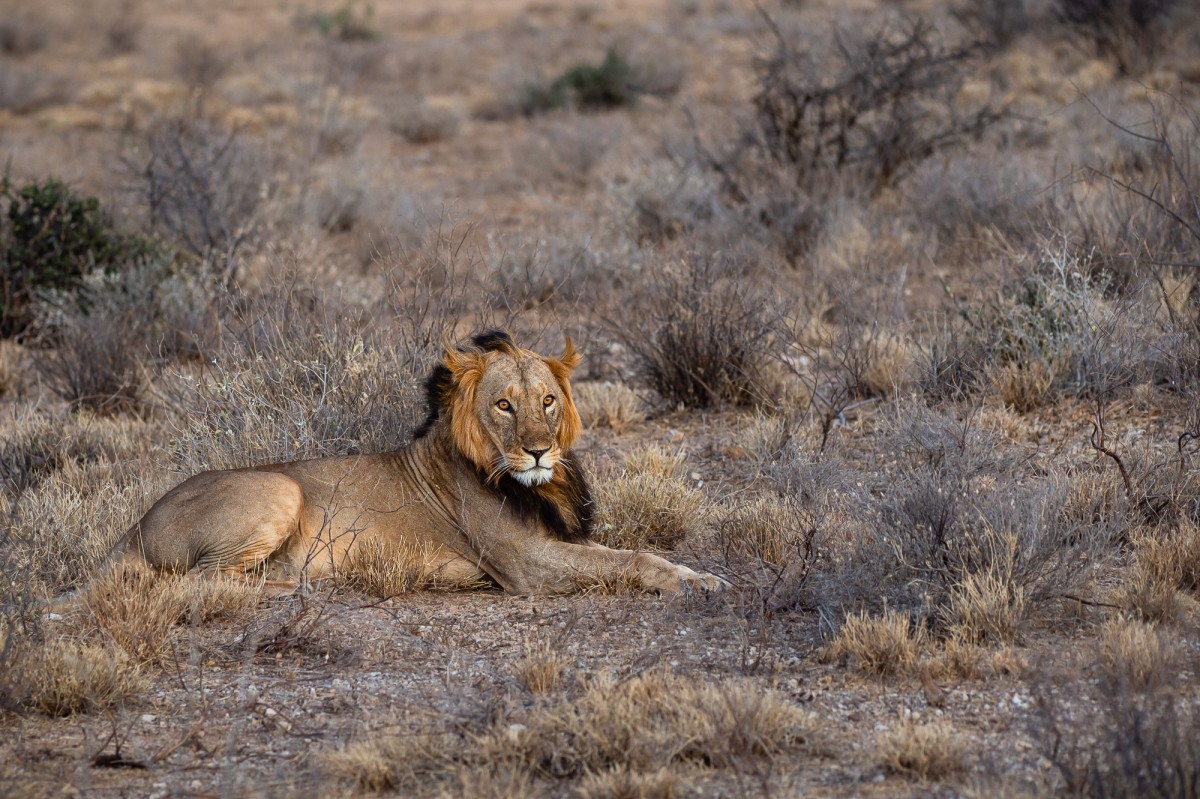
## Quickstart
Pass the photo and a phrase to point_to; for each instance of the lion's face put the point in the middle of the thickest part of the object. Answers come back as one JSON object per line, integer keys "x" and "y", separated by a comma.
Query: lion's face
{"x": 512, "y": 411}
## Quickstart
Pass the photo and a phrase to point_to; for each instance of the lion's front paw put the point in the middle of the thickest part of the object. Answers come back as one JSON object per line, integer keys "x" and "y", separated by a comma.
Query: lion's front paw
{"x": 695, "y": 582}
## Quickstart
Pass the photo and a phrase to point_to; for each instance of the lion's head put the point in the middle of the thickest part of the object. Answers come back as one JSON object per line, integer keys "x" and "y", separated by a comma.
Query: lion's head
{"x": 508, "y": 410}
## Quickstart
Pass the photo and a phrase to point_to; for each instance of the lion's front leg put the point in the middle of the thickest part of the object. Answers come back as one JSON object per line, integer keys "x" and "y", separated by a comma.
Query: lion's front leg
{"x": 558, "y": 567}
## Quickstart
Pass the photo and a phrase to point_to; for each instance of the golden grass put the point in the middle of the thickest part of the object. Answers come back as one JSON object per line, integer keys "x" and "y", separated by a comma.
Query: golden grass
{"x": 629, "y": 730}
{"x": 540, "y": 668}
{"x": 881, "y": 645}
{"x": 607, "y": 404}
{"x": 1135, "y": 654}
{"x": 388, "y": 570}
{"x": 61, "y": 677}
{"x": 622, "y": 783}
{"x": 135, "y": 607}
{"x": 890, "y": 363}
{"x": 928, "y": 751}
{"x": 1024, "y": 386}
{"x": 766, "y": 529}
{"x": 654, "y": 461}
{"x": 986, "y": 607}
{"x": 646, "y": 511}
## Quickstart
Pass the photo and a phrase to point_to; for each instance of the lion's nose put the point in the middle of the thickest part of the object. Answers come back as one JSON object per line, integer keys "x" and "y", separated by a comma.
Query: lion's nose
{"x": 537, "y": 454}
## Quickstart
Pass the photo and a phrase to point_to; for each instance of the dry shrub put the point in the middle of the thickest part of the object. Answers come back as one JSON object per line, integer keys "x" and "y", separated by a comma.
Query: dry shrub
{"x": 767, "y": 529}
{"x": 305, "y": 373}
{"x": 893, "y": 102}
{"x": 1127, "y": 744}
{"x": 608, "y": 404}
{"x": 60, "y": 677}
{"x": 67, "y": 526}
{"x": 11, "y": 380}
{"x": 700, "y": 330}
{"x": 930, "y": 751}
{"x": 568, "y": 149}
{"x": 201, "y": 187}
{"x": 38, "y": 446}
{"x": 135, "y": 607}
{"x": 646, "y": 510}
{"x": 21, "y": 35}
{"x": 986, "y": 606}
{"x": 961, "y": 502}
{"x": 97, "y": 363}
{"x": 425, "y": 122}
{"x": 1135, "y": 655}
{"x": 200, "y": 64}
{"x": 881, "y": 645}
{"x": 1131, "y": 32}
{"x": 622, "y": 783}
{"x": 540, "y": 668}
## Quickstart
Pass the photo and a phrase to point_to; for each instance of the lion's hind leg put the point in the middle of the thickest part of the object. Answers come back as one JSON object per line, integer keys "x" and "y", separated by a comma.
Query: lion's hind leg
{"x": 233, "y": 522}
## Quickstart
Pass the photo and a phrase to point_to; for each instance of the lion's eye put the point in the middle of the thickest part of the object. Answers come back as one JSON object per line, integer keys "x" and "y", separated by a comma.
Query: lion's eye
{"x": 548, "y": 401}
{"x": 504, "y": 405}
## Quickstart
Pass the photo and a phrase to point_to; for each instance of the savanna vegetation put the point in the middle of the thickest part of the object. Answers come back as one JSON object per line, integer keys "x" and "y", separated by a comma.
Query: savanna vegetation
{"x": 891, "y": 319}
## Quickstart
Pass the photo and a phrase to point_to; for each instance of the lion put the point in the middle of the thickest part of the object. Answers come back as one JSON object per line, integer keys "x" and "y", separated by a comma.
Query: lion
{"x": 487, "y": 489}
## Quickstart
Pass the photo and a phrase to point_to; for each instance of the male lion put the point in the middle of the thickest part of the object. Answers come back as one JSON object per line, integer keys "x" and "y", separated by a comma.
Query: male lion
{"x": 488, "y": 487}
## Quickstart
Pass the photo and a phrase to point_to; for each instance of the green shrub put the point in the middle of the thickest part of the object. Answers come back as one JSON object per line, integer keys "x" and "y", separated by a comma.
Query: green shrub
{"x": 345, "y": 24}
{"x": 588, "y": 87}
{"x": 51, "y": 237}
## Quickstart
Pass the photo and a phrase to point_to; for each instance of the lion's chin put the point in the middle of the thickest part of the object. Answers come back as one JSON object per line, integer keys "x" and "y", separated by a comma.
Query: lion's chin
{"x": 534, "y": 476}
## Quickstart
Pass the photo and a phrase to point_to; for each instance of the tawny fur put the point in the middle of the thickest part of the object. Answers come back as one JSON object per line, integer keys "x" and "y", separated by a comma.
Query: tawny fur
{"x": 488, "y": 484}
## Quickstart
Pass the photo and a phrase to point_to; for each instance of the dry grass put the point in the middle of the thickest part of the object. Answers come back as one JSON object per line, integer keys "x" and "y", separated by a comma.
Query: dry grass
{"x": 425, "y": 121}
{"x": 60, "y": 677}
{"x": 384, "y": 570}
{"x": 608, "y": 404}
{"x": 766, "y": 529}
{"x": 656, "y": 462}
{"x": 621, "y": 783}
{"x": 647, "y": 723}
{"x": 880, "y": 645}
{"x": 381, "y": 763}
{"x": 1024, "y": 387}
{"x": 891, "y": 363}
{"x": 135, "y": 608}
{"x": 540, "y": 668}
{"x": 10, "y": 369}
{"x": 647, "y": 511}
{"x": 928, "y": 751}
{"x": 640, "y": 725}
{"x": 986, "y": 606}
{"x": 1134, "y": 655}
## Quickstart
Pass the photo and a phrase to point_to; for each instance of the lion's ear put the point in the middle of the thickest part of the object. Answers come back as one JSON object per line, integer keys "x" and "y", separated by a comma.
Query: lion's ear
{"x": 570, "y": 357}
{"x": 465, "y": 367}
{"x": 570, "y": 424}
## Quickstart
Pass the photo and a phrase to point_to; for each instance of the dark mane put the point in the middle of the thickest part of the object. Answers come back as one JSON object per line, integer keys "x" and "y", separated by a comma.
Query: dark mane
{"x": 440, "y": 384}
{"x": 545, "y": 503}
